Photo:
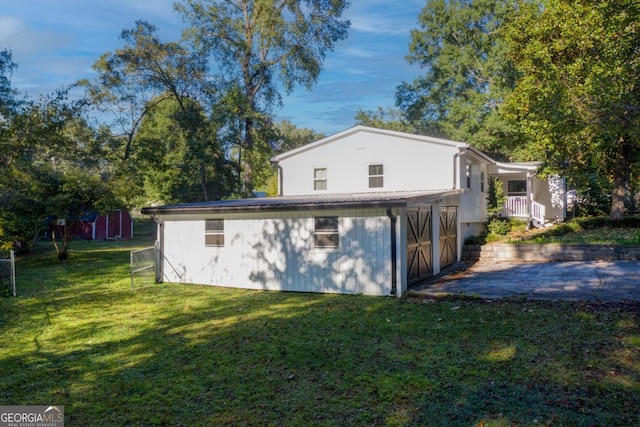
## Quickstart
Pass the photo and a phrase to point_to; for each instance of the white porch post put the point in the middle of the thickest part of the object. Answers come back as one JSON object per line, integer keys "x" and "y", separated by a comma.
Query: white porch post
{"x": 529, "y": 199}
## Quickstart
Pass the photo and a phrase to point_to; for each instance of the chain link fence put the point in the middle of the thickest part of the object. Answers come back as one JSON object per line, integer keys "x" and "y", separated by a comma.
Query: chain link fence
{"x": 145, "y": 267}
{"x": 8, "y": 275}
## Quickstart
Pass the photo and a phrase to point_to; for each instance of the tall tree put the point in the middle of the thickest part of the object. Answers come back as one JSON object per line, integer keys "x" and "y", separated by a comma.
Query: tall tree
{"x": 467, "y": 74}
{"x": 252, "y": 42}
{"x": 171, "y": 160}
{"x": 146, "y": 72}
{"x": 579, "y": 96}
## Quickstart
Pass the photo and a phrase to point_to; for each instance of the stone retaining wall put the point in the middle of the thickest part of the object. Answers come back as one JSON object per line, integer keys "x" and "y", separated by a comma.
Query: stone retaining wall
{"x": 506, "y": 252}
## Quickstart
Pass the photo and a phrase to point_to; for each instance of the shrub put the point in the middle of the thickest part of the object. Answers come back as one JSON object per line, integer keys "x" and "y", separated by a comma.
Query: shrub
{"x": 499, "y": 226}
{"x": 605, "y": 221}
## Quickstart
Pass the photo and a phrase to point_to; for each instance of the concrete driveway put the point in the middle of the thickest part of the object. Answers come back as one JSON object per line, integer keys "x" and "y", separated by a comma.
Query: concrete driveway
{"x": 568, "y": 280}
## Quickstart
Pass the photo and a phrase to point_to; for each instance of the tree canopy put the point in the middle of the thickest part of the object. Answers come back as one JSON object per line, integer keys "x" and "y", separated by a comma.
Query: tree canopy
{"x": 49, "y": 169}
{"x": 467, "y": 74}
{"x": 256, "y": 44}
{"x": 579, "y": 94}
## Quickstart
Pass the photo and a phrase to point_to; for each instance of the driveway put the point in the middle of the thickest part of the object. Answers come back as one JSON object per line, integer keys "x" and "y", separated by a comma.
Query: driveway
{"x": 568, "y": 280}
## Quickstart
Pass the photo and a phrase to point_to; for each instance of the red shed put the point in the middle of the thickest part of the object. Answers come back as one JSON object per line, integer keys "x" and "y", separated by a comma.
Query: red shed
{"x": 116, "y": 224}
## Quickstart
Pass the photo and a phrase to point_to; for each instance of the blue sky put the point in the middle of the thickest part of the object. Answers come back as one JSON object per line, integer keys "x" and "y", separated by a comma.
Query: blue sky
{"x": 55, "y": 43}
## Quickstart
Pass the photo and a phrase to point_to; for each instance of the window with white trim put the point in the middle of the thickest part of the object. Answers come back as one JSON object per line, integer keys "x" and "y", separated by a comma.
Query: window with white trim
{"x": 376, "y": 176}
{"x": 468, "y": 173}
{"x": 214, "y": 232}
{"x": 320, "y": 179}
{"x": 325, "y": 232}
{"x": 517, "y": 187}
{"x": 482, "y": 181}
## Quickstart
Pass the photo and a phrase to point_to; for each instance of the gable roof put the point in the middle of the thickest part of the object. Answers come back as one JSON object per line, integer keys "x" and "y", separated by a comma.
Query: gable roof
{"x": 462, "y": 146}
{"x": 312, "y": 202}
{"x": 367, "y": 129}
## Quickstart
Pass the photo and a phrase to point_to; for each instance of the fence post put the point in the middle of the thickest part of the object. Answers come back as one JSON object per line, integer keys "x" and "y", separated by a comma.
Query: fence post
{"x": 131, "y": 268}
{"x": 157, "y": 260}
{"x": 13, "y": 273}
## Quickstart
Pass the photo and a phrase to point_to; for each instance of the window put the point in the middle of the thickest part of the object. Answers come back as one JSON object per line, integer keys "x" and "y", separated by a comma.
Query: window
{"x": 326, "y": 234}
{"x": 517, "y": 188}
{"x": 468, "y": 173}
{"x": 482, "y": 181}
{"x": 376, "y": 178}
{"x": 214, "y": 232}
{"x": 320, "y": 179}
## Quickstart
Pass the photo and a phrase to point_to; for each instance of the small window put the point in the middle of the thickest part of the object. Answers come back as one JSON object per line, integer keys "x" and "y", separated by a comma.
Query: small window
{"x": 482, "y": 181}
{"x": 326, "y": 234}
{"x": 214, "y": 232}
{"x": 517, "y": 188}
{"x": 320, "y": 179}
{"x": 468, "y": 173}
{"x": 376, "y": 176}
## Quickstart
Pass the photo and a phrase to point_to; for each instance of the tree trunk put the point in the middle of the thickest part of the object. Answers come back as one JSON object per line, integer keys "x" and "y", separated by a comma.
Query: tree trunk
{"x": 247, "y": 167}
{"x": 203, "y": 181}
{"x": 621, "y": 170}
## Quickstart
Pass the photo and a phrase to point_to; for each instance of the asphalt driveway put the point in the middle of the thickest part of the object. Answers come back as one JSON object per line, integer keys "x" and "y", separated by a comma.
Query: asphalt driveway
{"x": 568, "y": 280}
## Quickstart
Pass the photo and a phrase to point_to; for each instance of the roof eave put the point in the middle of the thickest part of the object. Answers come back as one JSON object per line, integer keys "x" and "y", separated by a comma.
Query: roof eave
{"x": 271, "y": 208}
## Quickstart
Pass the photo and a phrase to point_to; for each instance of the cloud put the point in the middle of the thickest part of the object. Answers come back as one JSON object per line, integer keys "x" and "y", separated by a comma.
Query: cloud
{"x": 384, "y": 17}
{"x": 9, "y": 27}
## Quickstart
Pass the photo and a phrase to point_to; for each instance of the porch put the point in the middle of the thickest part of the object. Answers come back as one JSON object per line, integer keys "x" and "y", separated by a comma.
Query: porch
{"x": 538, "y": 201}
{"x": 523, "y": 208}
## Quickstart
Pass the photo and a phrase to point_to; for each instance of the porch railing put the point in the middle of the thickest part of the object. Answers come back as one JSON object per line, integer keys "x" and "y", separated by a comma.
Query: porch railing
{"x": 538, "y": 212}
{"x": 517, "y": 206}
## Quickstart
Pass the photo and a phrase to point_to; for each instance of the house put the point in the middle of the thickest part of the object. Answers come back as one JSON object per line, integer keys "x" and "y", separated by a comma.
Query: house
{"x": 366, "y": 210}
{"x": 113, "y": 225}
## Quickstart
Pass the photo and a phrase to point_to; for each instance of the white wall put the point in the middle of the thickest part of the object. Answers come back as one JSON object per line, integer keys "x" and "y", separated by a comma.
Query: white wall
{"x": 275, "y": 252}
{"x": 473, "y": 204}
{"x": 410, "y": 163}
{"x": 551, "y": 193}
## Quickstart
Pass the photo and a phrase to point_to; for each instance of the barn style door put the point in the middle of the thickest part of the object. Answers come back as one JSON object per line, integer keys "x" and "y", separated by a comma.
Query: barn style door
{"x": 419, "y": 261}
{"x": 448, "y": 235}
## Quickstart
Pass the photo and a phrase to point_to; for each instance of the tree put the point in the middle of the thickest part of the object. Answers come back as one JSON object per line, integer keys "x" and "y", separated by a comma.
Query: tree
{"x": 146, "y": 73}
{"x": 579, "y": 95}
{"x": 171, "y": 162}
{"x": 389, "y": 118}
{"x": 290, "y": 136}
{"x": 48, "y": 172}
{"x": 467, "y": 74}
{"x": 7, "y": 93}
{"x": 255, "y": 44}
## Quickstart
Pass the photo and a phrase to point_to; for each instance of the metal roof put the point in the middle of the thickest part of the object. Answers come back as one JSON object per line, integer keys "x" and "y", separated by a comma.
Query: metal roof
{"x": 308, "y": 202}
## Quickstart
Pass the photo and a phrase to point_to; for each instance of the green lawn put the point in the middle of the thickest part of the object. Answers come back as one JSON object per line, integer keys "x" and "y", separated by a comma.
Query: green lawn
{"x": 188, "y": 355}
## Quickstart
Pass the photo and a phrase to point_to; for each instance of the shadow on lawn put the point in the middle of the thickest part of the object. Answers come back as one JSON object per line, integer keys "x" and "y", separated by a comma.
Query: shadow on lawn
{"x": 226, "y": 357}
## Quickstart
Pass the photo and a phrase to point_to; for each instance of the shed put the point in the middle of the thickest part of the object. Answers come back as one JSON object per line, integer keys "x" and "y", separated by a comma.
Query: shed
{"x": 113, "y": 225}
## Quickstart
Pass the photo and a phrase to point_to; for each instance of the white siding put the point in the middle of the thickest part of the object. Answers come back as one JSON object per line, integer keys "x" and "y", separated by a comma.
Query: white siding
{"x": 410, "y": 163}
{"x": 551, "y": 193}
{"x": 473, "y": 205}
{"x": 275, "y": 252}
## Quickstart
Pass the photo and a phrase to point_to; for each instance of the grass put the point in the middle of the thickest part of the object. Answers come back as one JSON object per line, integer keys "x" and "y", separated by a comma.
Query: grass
{"x": 592, "y": 230}
{"x": 172, "y": 354}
